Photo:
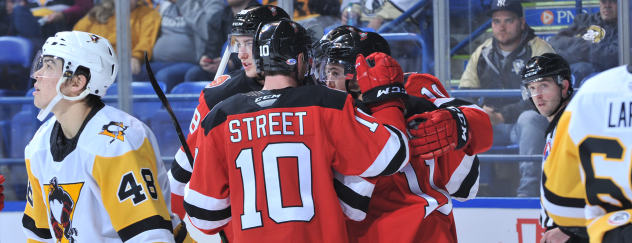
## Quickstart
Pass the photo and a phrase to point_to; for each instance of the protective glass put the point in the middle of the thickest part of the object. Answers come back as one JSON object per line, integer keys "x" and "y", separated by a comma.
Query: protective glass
{"x": 331, "y": 70}
{"x": 46, "y": 66}
{"x": 537, "y": 87}
{"x": 240, "y": 43}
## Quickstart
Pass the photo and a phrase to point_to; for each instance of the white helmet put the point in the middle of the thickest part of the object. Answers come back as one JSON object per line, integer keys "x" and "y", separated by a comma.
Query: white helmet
{"x": 77, "y": 48}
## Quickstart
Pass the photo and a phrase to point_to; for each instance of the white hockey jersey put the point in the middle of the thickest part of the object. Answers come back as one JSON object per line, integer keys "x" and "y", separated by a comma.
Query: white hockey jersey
{"x": 593, "y": 157}
{"x": 108, "y": 184}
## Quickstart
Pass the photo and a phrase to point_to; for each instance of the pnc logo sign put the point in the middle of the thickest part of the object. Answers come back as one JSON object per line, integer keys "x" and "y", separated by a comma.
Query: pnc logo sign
{"x": 547, "y": 17}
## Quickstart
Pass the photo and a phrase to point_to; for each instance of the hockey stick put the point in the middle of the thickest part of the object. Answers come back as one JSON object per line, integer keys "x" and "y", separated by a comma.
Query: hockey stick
{"x": 176, "y": 125}
{"x": 167, "y": 106}
{"x": 223, "y": 63}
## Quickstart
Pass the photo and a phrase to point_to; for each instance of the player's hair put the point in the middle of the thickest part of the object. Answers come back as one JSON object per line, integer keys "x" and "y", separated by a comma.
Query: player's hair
{"x": 90, "y": 100}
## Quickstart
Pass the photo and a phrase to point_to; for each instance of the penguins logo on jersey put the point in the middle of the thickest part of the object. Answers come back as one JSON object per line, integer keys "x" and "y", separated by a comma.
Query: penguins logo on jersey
{"x": 62, "y": 201}
{"x": 372, "y": 6}
{"x": 115, "y": 130}
{"x": 594, "y": 34}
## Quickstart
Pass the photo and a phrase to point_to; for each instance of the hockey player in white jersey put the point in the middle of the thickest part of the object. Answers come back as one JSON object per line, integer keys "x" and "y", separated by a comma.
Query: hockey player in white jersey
{"x": 592, "y": 159}
{"x": 546, "y": 82}
{"x": 95, "y": 172}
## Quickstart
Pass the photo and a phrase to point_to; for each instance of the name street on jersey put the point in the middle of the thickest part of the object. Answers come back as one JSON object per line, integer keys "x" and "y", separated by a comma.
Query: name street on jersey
{"x": 620, "y": 113}
{"x": 274, "y": 123}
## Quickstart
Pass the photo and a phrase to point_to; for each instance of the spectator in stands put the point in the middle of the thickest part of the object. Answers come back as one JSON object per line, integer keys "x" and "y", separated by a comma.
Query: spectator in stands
{"x": 380, "y": 12}
{"x": 38, "y": 20}
{"x": 591, "y": 43}
{"x": 175, "y": 50}
{"x": 496, "y": 64}
{"x": 145, "y": 23}
{"x": 315, "y": 12}
{"x": 219, "y": 27}
{"x": 6, "y": 8}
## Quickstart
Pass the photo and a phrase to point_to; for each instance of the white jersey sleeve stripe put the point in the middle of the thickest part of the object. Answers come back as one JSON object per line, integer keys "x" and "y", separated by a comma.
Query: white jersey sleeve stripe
{"x": 393, "y": 157}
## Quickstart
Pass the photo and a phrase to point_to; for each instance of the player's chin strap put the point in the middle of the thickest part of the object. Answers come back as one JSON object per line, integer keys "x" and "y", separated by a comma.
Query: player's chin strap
{"x": 44, "y": 113}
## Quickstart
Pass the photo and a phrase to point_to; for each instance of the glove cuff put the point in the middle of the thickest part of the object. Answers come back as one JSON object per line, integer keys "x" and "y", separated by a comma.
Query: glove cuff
{"x": 463, "y": 133}
{"x": 383, "y": 93}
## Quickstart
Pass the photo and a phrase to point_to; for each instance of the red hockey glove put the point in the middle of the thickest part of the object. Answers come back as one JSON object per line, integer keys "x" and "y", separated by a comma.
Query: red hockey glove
{"x": 381, "y": 81}
{"x": 438, "y": 132}
{"x": 1, "y": 192}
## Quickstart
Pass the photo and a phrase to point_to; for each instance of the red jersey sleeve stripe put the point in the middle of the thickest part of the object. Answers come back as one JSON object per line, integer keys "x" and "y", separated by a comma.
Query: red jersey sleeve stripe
{"x": 392, "y": 158}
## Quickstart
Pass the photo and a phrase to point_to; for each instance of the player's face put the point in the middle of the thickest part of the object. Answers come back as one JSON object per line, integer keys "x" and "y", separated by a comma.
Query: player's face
{"x": 244, "y": 43}
{"x": 335, "y": 76}
{"x": 507, "y": 27}
{"x": 608, "y": 10}
{"x": 546, "y": 95}
{"x": 46, "y": 79}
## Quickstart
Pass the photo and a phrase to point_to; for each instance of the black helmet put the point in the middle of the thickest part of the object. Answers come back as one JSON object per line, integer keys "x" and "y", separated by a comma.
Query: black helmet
{"x": 318, "y": 50}
{"x": 546, "y": 65}
{"x": 248, "y": 20}
{"x": 277, "y": 46}
{"x": 344, "y": 50}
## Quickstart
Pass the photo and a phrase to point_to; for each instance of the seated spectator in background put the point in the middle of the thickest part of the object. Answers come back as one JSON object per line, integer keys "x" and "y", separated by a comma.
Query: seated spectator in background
{"x": 219, "y": 26}
{"x": 6, "y": 8}
{"x": 145, "y": 23}
{"x": 175, "y": 51}
{"x": 315, "y": 12}
{"x": 496, "y": 64}
{"x": 591, "y": 43}
{"x": 38, "y": 20}
{"x": 376, "y": 13}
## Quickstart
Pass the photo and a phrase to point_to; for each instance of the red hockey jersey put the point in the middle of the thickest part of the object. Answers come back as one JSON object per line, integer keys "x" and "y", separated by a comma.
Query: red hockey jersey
{"x": 424, "y": 188}
{"x": 266, "y": 157}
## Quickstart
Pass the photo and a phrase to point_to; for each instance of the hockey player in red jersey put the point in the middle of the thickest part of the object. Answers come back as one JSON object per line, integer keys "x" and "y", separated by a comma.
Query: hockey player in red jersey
{"x": 438, "y": 172}
{"x": 240, "y": 81}
{"x": 266, "y": 157}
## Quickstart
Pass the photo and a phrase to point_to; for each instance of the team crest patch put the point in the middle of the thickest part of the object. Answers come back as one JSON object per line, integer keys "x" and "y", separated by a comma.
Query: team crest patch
{"x": 218, "y": 81}
{"x": 115, "y": 130}
{"x": 363, "y": 36}
{"x": 594, "y": 34}
{"x": 518, "y": 64}
{"x": 547, "y": 151}
{"x": 95, "y": 38}
{"x": 619, "y": 218}
{"x": 273, "y": 10}
{"x": 61, "y": 203}
{"x": 371, "y": 7}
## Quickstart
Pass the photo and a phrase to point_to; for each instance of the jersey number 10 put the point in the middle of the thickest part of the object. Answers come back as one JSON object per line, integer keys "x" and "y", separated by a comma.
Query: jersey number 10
{"x": 251, "y": 218}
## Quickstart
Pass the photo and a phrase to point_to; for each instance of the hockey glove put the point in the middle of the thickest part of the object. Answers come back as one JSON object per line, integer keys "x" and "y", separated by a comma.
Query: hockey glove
{"x": 438, "y": 132}
{"x": 381, "y": 81}
{"x": 1, "y": 192}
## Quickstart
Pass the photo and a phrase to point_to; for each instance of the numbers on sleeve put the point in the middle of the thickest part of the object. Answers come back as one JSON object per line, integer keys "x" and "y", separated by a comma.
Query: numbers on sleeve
{"x": 601, "y": 188}
{"x": 195, "y": 121}
{"x": 251, "y": 218}
{"x": 148, "y": 176}
{"x": 371, "y": 125}
{"x": 130, "y": 188}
